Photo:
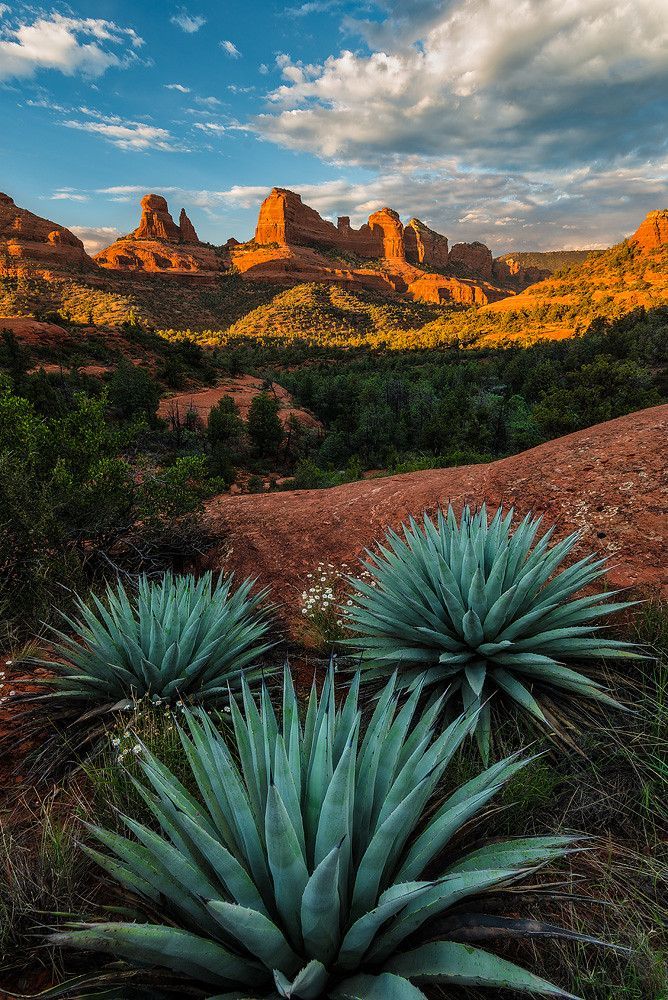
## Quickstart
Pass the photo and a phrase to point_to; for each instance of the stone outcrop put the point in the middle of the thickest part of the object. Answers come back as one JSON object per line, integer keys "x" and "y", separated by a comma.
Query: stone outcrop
{"x": 159, "y": 245}
{"x": 188, "y": 232}
{"x": 425, "y": 246}
{"x": 285, "y": 219}
{"x": 509, "y": 271}
{"x": 389, "y": 233}
{"x": 447, "y": 290}
{"x": 653, "y": 231}
{"x": 156, "y": 222}
{"x": 30, "y": 244}
{"x": 471, "y": 258}
{"x": 607, "y": 482}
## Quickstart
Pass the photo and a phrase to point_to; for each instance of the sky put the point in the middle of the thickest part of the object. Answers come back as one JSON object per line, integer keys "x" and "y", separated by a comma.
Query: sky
{"x": 526, "y": 124}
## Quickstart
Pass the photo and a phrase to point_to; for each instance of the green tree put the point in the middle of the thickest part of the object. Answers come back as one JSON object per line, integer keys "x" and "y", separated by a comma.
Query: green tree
{"x": 133, "y": 392}
{"x": 264, "y": 425}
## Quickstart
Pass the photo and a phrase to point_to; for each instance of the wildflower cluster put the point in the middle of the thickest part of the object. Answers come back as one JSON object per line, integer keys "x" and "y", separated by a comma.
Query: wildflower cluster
{"x": 3, "y": 674}
{"x": 325, "y": 603}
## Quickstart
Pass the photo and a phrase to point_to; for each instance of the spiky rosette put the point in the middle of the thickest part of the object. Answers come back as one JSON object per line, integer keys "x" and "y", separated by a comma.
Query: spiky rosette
{"x": 299, "y": 867}
{"x": 477, "y": 607}
{"x": 174, "y": 638}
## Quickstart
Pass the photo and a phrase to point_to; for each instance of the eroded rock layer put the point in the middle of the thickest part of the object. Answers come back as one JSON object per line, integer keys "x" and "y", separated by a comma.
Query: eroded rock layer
{"x": 31, "y": 244}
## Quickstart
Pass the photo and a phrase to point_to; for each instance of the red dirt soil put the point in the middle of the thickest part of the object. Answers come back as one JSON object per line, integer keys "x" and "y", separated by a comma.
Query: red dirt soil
{"x": 608, "y": 481}
{"x": 243, "y": 391}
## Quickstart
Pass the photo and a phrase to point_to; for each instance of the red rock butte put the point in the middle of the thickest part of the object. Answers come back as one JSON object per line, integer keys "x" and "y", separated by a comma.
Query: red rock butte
{"x": 33, "y": 245}
{"x": 653, "y": 231}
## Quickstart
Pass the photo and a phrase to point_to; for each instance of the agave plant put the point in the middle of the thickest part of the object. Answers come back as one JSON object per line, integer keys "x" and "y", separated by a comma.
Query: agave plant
{"x": 478, "y": 607}
{"x": 313, "y": 860}
{"x": 176, "y": 638}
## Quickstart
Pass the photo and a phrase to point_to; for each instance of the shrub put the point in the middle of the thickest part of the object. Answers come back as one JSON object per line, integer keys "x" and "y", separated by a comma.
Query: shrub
{"x": 475, "y": 606}
{"x": 297, "y": 871}
{"x": 133, "y": 392}
{"x": 177, "y": 638}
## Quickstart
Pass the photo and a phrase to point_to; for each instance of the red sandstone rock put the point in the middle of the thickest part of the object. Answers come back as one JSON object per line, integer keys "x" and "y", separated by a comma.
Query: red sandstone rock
{"x": 445, "y": 290}
{"x": 33, "y": 245}
{"x": 159, "y": 245}
{"x": 187, "y": 230}
{"x": 156, "y": 221}
{"x": 508, "y": 271}
{"x": 425, "y": 246}
{"x": 388, "y": 222}
{"x": 471, "y": 258}
{"x": 243, "y": 390}
{"x": 286, "y": 220}
{"x": 653, "y": 231}
{"x": 607, "y": 481}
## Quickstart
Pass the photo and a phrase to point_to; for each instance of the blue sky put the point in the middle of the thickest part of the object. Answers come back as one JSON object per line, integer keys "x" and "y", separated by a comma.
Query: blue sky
{"x": 528, "y": 124}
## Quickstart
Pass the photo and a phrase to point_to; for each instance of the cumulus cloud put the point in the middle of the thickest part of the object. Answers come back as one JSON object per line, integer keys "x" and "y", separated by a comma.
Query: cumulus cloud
{"x": 95, "y": 238}
{"x": 70, "y": 45}
{"x": 190, "y": 23}
{"x": 230, "y": 48}
{"x": 497, "y": 82}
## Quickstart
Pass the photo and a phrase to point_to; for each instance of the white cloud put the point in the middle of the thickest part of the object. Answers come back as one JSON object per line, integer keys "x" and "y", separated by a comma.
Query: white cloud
{"x": 510, "y": 82}
{"x": 190, "y": 23}
{"x": 210, "y": 101}
{"x": 95, "y": 238}
{"x": 4, "y": 9}
{"x": 264, "y": 69}
{"x": 231, "y": 49}
{"x": 69, "y": 45}
{"x": 127, "y": 135}
{"x": 68, "y": 194}
{"x": 211, "y": 127}
{"x": 177, "y": 86}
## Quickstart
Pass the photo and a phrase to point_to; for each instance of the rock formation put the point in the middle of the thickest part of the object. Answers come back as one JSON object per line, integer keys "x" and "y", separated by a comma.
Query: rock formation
{"x": 471, "y": 258}
{"x": 158, "y": 244}
{"x": 653, "y": 231}
{"x": 509, "y": 271}
{"x": 575, "y": 481}
{"x": 188, "y": 232}
{"x": 388, "y": 233}
{"x": 30, "y": 244}
{"x": 425, "y": 246}
{"x": 285, "y": 219}
{"x": 156, "y": 222}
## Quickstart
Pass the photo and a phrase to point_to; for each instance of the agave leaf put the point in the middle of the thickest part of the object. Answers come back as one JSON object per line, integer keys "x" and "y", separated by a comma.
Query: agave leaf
{"x": 461, "y": 965}
{"x": 308, "y": 984}
{"x": 257, "y": 933}
{"x": 386, "y": 986}
{"x": 286, "y": 863}
{"x": 320, "y": 909}
{"x": 169, "y": 947}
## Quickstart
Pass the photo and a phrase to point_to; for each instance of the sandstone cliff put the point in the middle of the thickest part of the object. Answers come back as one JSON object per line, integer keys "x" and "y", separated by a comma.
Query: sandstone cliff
{"x": 30, "y": 244}
{"x": 652, "y": 233}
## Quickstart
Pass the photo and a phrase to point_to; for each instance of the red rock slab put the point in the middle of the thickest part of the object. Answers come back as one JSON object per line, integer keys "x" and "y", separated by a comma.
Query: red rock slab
{"x": 243, "y": 391}
{"x": 608, "y": 481}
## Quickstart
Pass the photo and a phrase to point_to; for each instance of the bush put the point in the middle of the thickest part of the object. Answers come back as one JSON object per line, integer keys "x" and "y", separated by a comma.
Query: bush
{"x": 134, "y": 393}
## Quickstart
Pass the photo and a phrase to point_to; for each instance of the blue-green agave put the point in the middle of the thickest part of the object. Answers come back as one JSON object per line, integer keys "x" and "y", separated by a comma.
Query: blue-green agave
{"x": 176, "y": 638}
{"x": 313, "y": 859}
{"x": 477, "y": 607}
